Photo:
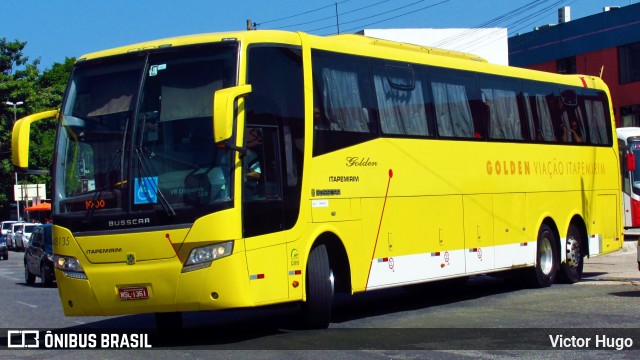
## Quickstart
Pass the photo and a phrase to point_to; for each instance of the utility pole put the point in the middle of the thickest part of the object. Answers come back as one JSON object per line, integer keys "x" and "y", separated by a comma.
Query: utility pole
{"x": 18, "y": 200}
{"x": 250, "y": 25}
{"x": 15, "y": 110}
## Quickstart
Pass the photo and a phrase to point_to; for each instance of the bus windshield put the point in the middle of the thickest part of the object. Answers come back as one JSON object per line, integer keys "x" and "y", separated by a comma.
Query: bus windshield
{"x": 136, "y": 134}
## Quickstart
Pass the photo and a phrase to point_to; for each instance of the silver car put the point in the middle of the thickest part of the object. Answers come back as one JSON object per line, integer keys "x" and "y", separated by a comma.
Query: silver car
{"x": 5, "y": 226}
{"x": 21, "y": 237}
{"x": 11, "y": 234}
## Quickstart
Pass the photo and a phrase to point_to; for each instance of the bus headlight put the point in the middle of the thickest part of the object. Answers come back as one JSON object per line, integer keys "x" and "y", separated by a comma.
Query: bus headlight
{"x": 70, "y": 266}
{"x": 201, "y": 257}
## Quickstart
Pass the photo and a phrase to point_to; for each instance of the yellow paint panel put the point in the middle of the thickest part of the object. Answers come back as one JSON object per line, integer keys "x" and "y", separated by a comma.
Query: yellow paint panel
{"x": 478, "y": 232}
{"x": 323, "y": 210}
{"x": 418, "y": 225}
{"x": 144, "y": 245}
{"x": 606, "y": 224}
{"x": 268, "y": 273}
{"x": 510, "y": 223}
{"x": 295, "y": 273}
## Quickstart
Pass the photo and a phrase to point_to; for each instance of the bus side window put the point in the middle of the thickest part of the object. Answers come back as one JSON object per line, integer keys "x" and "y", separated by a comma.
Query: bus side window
{"x": 597, "y": 121}
{"x": 452, "y": 109}
{"x": 400, "y": 100}
{"x": 570, "y": 117}
{"x": 500, "y": 99}
{"x": 539, "y": 115}
{"x": 343, "y": 100}
{"x": 343, "y": 94}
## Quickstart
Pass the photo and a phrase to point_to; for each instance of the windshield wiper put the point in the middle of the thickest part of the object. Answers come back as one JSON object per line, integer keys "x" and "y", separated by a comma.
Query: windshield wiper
{"x": 144, "y": 169}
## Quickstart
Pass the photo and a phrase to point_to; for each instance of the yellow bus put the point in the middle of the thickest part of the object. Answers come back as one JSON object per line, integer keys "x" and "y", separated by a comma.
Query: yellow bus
{"x": 243, "y": 169}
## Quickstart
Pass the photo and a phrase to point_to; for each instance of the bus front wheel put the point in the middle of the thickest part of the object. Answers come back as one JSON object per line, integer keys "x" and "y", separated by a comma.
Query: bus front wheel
{"x": 319, "y": 289}
{"x": 543, "y": 273}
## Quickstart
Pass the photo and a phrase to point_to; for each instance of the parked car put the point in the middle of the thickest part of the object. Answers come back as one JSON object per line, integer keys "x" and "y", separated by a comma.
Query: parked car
{"x": 4, "y": 253}
{"x": 38, "y": 257}
{"x": 5, "y": 226}
{"x": 21, "y": 238}
{"x": 11, "y": 233}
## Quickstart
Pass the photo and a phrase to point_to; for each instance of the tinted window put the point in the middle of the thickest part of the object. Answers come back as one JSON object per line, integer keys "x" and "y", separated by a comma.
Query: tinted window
{"x": 596, "y": 117}
{"x": 401, "y": 100}
{"x": 454, "y": 96}
{"x": 411, "y": 100}
{"x": 500, "y": 97}
{"x": 343, "y": 100}
{"x": 273, "y": 136}
{"x": 539, "y": 103}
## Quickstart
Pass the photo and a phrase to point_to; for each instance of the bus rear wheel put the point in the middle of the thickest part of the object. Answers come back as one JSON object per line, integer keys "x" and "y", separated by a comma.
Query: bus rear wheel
{"x": 571, "y": 269}
{"x": 543, "y": 273}
{"x": 319, "y": 289}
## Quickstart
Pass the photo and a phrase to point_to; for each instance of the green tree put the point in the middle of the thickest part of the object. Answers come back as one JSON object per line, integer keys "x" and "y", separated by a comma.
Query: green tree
{"x": 21, "y": 80}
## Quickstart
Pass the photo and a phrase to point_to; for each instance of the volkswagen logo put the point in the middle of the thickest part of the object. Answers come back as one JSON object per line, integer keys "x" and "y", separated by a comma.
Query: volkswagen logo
{"x": 131, "y": 258}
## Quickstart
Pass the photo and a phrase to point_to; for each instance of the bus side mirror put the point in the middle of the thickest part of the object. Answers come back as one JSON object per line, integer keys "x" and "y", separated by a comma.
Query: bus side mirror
{"x": 631, "y": 161}
{"x": 224, "y": 101}
{"x": 20, "y": 138}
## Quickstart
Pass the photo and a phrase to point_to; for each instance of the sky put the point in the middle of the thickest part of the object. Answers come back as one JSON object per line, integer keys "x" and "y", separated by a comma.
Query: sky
{"x": 57, "y": 29}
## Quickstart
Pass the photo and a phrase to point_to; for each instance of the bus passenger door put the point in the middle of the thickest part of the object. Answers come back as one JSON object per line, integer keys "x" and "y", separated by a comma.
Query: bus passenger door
{"x": 262, "y": 213}
{"x": 272, "y": 168}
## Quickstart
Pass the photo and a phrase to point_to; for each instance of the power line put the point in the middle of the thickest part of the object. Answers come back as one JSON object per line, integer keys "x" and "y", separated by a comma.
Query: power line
{"x": 331, "y": 16}
{"x": 398, "y": 16}
{"x": 384, "y": 13}
{"x": 473, "y": 43}
{"x": 302, "y": 13}
{"x": 513, "y": 16}
{"x": 535, "y": 18}
{"x": 492, "y": 22}
{"x": 539, "y": 32}
{"x": 349, "y": 12}
{"x": 401, "y": 15}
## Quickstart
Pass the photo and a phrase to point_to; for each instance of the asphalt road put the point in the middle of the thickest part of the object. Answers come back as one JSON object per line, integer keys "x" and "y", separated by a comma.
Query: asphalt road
{"x": 490, "y": 318}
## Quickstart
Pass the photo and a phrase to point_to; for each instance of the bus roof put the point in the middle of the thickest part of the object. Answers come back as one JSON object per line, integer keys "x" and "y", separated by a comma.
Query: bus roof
{"x": 169, "y": 42}
{"x": 353, "y": 42}
{"x": 406, "y": 46}
{"x": 273, "y": 36}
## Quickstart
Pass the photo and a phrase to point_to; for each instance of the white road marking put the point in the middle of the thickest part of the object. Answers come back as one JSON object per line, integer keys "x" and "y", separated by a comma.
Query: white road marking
{"x": 24, "y": 303}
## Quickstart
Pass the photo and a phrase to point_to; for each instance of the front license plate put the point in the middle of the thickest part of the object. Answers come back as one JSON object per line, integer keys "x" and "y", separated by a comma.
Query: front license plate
{"x": 133, "y": 293}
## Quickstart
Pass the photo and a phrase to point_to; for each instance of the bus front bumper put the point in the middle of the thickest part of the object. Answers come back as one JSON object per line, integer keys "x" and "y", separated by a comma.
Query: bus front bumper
{"x": 156, "y": 286}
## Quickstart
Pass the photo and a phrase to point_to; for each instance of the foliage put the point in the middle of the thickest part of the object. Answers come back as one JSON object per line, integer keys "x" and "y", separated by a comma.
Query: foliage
{"x": 22, "y": 80}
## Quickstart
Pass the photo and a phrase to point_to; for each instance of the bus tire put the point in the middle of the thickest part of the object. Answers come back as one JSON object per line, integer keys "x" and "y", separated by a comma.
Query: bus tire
{"x": 543, "y": 274}
{"x": 571, "y": 269}
{"x": 319, "y": 289}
